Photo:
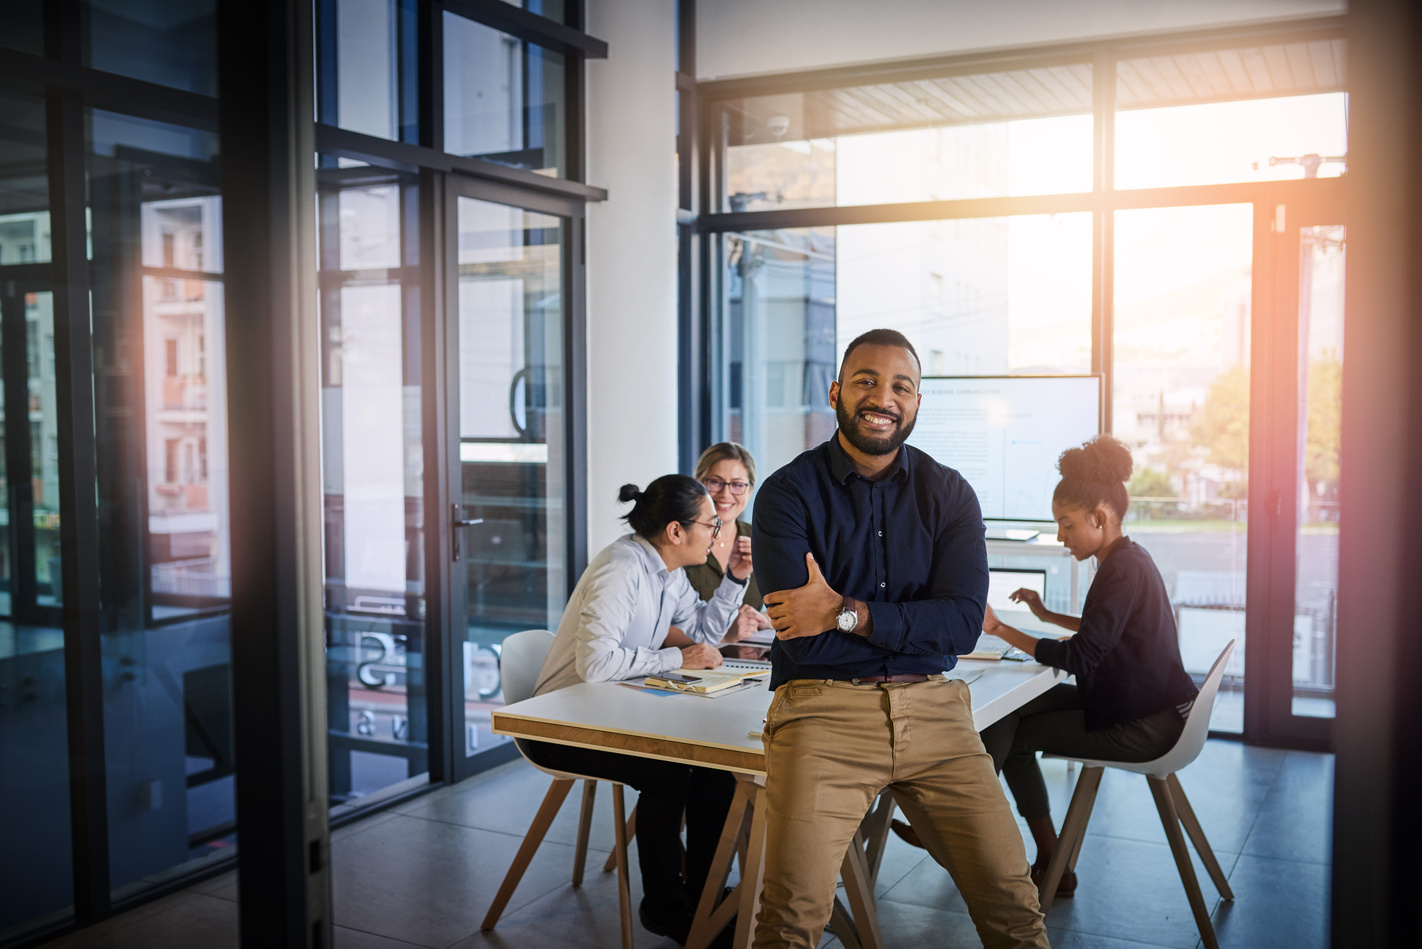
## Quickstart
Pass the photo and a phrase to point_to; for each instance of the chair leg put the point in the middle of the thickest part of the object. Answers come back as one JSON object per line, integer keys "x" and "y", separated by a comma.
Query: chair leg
{"x": 1197, "y": 837}
{"x": 557, "y": 793}
{"x": 624, "y": 886}
{"x": 631, "y": 832}
{"x": 1170, "y": 820}
{"x": 1078, "y": 814}
{"x": 580, "y": 853}
{"x": 875, "y": 828}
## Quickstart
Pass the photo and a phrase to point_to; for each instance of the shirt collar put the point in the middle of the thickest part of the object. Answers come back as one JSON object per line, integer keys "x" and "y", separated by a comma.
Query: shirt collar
{"x": 652, "y": 560}
{"x": 841, "y": 466}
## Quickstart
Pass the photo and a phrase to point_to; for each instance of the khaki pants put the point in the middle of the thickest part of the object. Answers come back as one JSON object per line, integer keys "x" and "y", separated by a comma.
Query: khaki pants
{"x": 831, "y": 747}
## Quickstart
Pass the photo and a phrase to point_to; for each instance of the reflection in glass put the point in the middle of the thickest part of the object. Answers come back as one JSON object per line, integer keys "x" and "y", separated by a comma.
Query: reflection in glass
{"x": 367, "y": 67}
{"x": 161, "y": 443}
{"x": 1253, "y": 140}
{"x": 1017, "y": 132}
{"x": 172, "y": 44}
{"x": 24, "y": 31}
{"x": 1322, "y": 254}
{"x": 1181, "y": 403}
{"x": 372, "y": 468}
{"x": 504, "y": 98}
{"x": 511, "y": 439}
{"x": 777, "y": 341}
{"x": 24, "y": 182}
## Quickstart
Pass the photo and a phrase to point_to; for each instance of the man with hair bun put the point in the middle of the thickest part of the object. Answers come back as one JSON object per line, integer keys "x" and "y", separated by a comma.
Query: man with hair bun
{"x": 1132, "y": 692}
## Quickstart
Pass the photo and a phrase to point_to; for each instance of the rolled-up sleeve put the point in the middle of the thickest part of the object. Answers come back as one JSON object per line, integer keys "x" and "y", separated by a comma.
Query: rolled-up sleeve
{"x": 706, "y": 621}
{"x": 608, "y": 611}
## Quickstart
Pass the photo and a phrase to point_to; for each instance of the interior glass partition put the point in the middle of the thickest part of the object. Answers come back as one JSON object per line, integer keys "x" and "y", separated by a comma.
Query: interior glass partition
{"x": 511, "y": 525}
{"x": 36, "y": 871}
{"x": 372, "y": 465}
{"x": 161, "y": 443}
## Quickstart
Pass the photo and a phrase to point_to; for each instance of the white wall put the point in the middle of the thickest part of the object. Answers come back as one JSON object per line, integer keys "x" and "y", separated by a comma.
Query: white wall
{"x": 632, "y": 319}
{"x": 750, "y": 37}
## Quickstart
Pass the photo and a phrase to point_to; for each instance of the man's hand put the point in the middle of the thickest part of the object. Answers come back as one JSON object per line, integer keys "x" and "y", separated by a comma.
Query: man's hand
{"x": 739, "y": 563}
{"x": 748, "y": 620}
{"x": 699, "y": 656}
{"x": 805, "y": 611}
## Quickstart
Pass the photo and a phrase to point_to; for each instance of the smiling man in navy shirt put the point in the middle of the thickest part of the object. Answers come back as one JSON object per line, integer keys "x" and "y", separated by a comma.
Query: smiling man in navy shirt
{"x": 877, "y": 555}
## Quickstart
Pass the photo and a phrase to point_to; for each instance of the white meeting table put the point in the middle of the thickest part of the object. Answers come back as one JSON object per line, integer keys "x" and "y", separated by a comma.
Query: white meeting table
{"x": 724, "y": 733}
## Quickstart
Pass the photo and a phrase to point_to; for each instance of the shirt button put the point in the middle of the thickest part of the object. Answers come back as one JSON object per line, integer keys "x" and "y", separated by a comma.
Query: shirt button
{"x": 881, "y": 533}
{"x": 882, "y": 584}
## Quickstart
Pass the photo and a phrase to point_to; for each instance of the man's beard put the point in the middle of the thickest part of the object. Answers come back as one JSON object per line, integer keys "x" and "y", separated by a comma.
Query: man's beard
{"x": 872, "y": 444}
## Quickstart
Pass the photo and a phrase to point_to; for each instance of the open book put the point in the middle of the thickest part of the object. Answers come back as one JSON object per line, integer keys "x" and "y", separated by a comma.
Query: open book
{"x": 733, "y": 673}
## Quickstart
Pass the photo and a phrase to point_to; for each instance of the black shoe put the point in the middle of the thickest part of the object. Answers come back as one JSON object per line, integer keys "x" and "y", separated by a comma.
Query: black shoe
{"x": 670, "y": 918}
{"x": 906, "y": 833}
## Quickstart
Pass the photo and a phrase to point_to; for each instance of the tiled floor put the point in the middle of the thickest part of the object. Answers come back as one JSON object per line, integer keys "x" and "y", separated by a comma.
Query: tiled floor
{"x": 423, "y": 874}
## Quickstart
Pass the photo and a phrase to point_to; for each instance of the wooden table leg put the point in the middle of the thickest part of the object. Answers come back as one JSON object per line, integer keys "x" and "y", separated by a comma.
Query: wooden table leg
{"x": 753, "y": 872}
{"x": 712, "y": 912}
{"x": 859, "y": 890}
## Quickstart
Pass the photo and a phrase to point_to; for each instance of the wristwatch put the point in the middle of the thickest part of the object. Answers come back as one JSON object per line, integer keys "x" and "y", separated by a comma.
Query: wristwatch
{"x": 848, "y": 617}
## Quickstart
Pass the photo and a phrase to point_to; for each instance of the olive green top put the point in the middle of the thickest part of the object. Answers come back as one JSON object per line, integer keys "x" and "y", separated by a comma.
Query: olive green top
{"x": 706, "y": 577}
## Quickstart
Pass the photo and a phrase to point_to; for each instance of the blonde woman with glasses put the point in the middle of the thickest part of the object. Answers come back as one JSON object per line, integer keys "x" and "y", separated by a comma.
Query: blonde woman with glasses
{"x": 728, "y": 472}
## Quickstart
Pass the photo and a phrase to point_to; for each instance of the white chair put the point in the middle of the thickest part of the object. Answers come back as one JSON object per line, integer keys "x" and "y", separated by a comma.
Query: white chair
{"x": 520, "y": 661}
{"x": 1170, "y": 801}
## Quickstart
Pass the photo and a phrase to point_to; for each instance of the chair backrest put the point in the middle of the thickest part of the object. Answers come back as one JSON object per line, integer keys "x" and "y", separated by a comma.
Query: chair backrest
{"x": 520, "y": 660}
{"x": 1197, "y": 724}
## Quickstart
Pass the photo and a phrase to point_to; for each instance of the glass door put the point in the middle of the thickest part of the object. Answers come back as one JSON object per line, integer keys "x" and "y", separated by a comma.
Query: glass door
{"x": 508, "y": 467}
{"x": 1303, "y": 462}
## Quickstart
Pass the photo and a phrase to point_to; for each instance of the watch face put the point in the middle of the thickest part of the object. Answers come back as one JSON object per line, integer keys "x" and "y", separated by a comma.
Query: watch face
{"x": 847, "y": 620}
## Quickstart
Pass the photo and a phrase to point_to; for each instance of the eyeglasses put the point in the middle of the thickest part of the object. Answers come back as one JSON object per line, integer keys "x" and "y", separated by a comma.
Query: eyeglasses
{"x": 716, "y": 484}
{"x": 715, "y": 527}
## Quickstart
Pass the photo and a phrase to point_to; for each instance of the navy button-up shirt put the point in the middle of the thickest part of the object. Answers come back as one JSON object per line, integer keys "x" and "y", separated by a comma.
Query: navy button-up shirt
{"x": 909, "y": 544}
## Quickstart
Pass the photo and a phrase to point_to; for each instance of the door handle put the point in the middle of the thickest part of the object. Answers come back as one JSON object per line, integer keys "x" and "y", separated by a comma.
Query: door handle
{"x": 457, "y": 520}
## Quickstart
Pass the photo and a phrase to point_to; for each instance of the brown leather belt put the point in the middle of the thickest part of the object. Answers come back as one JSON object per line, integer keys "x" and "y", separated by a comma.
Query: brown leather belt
{"x": 905, "y": 677}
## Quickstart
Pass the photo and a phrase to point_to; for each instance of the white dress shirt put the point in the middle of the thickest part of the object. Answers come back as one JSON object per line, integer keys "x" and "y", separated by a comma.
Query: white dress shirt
{"x": 618, "y": 616}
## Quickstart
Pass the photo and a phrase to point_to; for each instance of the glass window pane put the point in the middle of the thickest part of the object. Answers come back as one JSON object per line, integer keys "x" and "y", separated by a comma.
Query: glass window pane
{"x": 982, "y": 296}
{"x": 1260, "y": 113}
{"x": 374, "y": 496}
{"x": 1018, "y": 132}
{"x": 511, "y": 430}
{"x": 1254, "y": 140}
{"x": 1321, "y": 268}
{"x": 503, "y": 98}
{"x": 161, "y": 433}
{"x": 24, "y": 27}
{"x": 24, "y": 181}
{"x": 172, "y": 44}
{"x": 1181, "y": 403}
{"x": 368, "y": 80}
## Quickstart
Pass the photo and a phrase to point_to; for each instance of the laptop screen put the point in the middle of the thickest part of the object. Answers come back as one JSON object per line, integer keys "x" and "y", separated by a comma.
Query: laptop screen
{"x": 1003, "y": 581}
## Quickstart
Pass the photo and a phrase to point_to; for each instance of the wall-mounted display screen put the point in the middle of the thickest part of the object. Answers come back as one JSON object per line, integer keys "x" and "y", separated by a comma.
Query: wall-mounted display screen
{"x": 1005, "y": 433}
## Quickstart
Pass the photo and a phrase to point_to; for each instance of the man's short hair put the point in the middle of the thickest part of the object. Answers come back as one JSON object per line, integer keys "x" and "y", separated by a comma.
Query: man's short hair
{"x": 879, "y": 337}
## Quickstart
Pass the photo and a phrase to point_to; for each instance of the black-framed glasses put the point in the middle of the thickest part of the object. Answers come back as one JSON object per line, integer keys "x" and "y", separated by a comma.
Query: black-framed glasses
{"x": 716, "y": 484}
{"x": 715, "y": 527}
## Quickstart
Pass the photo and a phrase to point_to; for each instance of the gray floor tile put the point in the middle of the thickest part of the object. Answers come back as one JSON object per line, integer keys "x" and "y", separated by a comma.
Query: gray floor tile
{"x": 1130, "y": 890}
{"x": 912, "y": 924}
{"x": 181, "y": 921}
{"x": 1295, "y": 820}
{"x": 507, "y": 802}
{"x": 584, "y": 917}
{"x": 223, "y": 886}
{"x": 355, "y": 939}
{"x": 431, "y": 883}
{"x": 1066, "y": 939}
{"x": 1278, "y": 904}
